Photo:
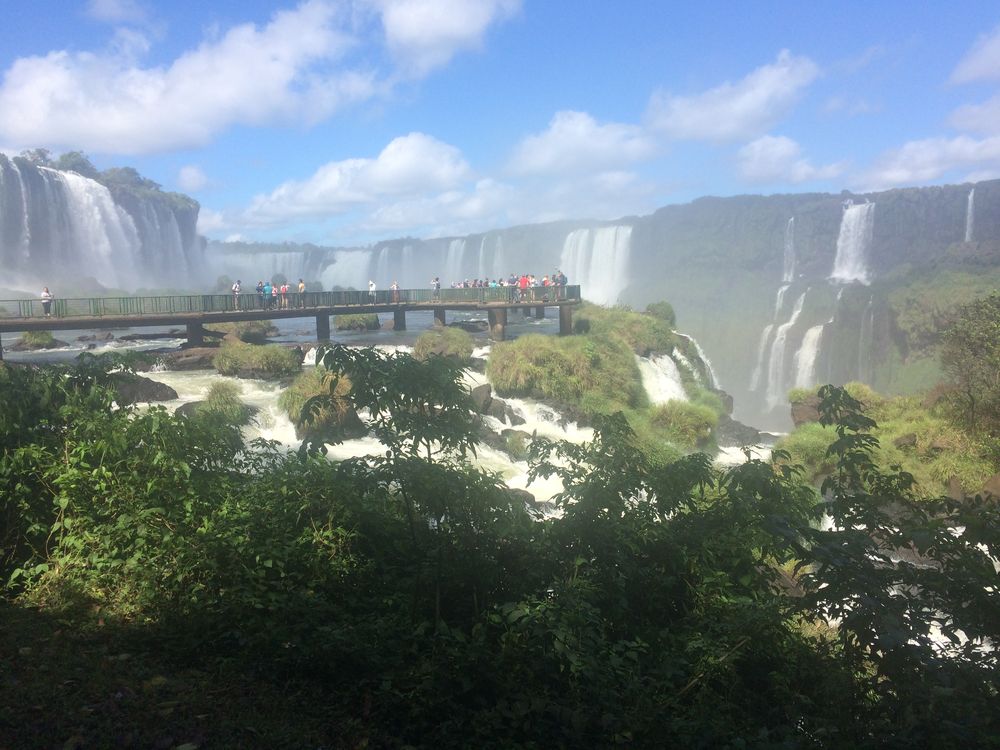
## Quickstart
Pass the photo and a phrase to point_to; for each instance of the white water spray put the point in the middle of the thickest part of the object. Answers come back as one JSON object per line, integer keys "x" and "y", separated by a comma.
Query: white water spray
{"x": 598, "y": 260}
{"x": 661, "y": 379}
{"x": 853, "y": 243}
{"x": 776, "y": 362}
{"x": 970, "y": 215}
{"x": 788, "y": 270}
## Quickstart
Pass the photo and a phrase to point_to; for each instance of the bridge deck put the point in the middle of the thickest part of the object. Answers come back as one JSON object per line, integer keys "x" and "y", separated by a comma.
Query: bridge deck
{"x": 115, "y": 312}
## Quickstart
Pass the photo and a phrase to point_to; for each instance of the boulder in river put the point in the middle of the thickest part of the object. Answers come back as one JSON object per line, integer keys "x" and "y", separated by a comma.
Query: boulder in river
{"x": 134, "y": 389}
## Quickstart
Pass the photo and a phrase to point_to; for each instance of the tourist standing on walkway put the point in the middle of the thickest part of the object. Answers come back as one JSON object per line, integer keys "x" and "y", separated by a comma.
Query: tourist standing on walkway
{"x": 260, "y": 293}
{"x": 47, "y": 302}
{"x": 267, "y": 294}
{"x": 237, "y": 287}
{"x": 371, "y": 292}
{"x": 274, "y": 295}
{"x": 284, "y": 295}
{"x": 436, "y": 286}
{"x": 395, "y": 290}
{"x": 302, "y": 293}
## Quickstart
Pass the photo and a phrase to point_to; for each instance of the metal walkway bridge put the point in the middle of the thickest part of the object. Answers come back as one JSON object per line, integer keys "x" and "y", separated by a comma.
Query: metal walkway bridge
{"x": 196, "y": 310}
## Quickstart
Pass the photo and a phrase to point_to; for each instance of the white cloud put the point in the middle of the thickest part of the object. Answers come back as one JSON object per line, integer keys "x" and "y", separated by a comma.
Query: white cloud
{"x": 191, "y": 178}
{"x": 849, "y": 106}
{"x": 116, "y": 11}
{"x": 446, "y": 213}
{"x": 106, "y": 102}
{"x": 211, "y": 221}
{"x": 779, "y": 159}
{"x": 426, "y": 34}
{"x": 732, "y": 111}
{"x": 574, "y": 143}
{"x": 982, "y": 62}
{"x": 928, "y": 159}
{"x": 414, "y": 165}
{"x": 979, "y": 118}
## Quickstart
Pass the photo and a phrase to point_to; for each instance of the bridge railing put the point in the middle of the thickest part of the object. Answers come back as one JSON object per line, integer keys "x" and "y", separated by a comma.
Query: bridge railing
{"x": 110, "y": 307}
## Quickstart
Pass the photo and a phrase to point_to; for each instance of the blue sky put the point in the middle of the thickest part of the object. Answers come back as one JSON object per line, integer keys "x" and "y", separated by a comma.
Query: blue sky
{"x": 348, "y": 121}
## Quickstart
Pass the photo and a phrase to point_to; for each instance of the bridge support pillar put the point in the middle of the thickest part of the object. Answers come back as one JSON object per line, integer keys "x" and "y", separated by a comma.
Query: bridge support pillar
{"x": 439, "y": 316}
{"x": 540, "y": 312}
{"x": 399, "y": 320}
{"x": 565, "y": 320}
{"x": 323, "y": 327}
{"x": 498, "y": 323}
{"x": 195, "y": 334}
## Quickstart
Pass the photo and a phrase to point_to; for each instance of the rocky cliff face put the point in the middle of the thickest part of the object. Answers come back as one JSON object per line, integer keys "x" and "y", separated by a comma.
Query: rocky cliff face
{"x": 59, "y": 227}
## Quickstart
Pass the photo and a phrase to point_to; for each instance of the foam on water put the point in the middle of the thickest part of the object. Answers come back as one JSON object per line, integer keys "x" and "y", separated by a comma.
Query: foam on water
{"x": 661, "y": 379}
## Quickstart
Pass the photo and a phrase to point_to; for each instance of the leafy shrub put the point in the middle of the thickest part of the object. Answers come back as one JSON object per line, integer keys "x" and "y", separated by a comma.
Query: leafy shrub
{"x": 357, "y": 322}
{"x": 250, "y": 361}
{"x": 446, "y": 342}
{"x": 641, "y": 333}
{"x": 38, "y": 340}
{"x": 807, "y": 447}
{"x": 584, "y": 370}
{"x": 335, "y": 417}
{"x": 663, "y": 311}
{"x": 690, "y": 424}
{"x": 223, "y": 400}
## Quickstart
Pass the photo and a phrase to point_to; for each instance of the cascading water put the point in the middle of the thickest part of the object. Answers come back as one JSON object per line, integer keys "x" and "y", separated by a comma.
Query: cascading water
{"x": 453, "y": 262}
{"x": 805, "y": 357}
{"x": 779, "y": 299}
{"x": 853, "y": 242}
{"x": 661, "y": 379}
{"x": 776, "y": 362}
{"x": 59, "y": 227}
{"x": 713, "y": 381}
{"x": 765, "y": 338}
{"x": 970, "y": 215}
{"x": 349, "y": 270}
{"x": 598, "y": 260}
{"x": 788, "y": 269}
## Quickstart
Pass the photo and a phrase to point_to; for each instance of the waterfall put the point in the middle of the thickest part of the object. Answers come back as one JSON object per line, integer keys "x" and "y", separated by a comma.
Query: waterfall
{"x": 765, "y": 337}
{"x": 713, "y": 381}
{"x": 60, "y": 227}
{"x": 788, "y": 271}
{"x": 453, "y": 262}
{"x": 853, "y": 242}
{"x": 805, "y": 357}
{"x": 970, "y": 215}
{"x": 776, "y": 362}
{"x": 498, "y": 259}
{"x": 598, "y": 260}
{"x": 779, "y": 299}
{"x": 661, "y": 379}
{"x": 349, "y": 270}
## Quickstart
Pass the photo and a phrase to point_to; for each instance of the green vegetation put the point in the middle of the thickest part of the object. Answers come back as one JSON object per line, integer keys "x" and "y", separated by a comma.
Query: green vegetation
{"x": 596, "y": 372}
{"x": 223, "y": 400}
{"x": 163, "y": 579}
{"x": 663, "y": 311}
{"x": 38, "y": 340}
{"x": 688, "y": 424}
{"x": 641, "y": 333}
{"x": 913, "y": 433}
{"x": 334, "y": 419}
{"x": 445, "y": 342}
{"x": 971, "y": 358}
{"x": 250, "y": 361}
{"x": 357, "y": 322}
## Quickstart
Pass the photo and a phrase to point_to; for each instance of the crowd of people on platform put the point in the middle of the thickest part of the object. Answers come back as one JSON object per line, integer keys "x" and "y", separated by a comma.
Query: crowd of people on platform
{"x": 273, "y": 295}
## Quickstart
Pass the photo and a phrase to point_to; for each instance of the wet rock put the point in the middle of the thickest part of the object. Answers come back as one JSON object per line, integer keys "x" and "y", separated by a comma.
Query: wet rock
{"x": 806, "y": 410}
{"x": 482, "y": 396}
{"x": 133, "y": 389}
{"x": 727, "y": 400}
{"x": 105, "y": 336}
{"x": 730, "y": 433}
{"x": 955, "y": 491}
{"x": 196, "y": 358}
{"x": 23, "y": 346}
{"x": 472, "y": 326}
{"x": 909, "y": 440}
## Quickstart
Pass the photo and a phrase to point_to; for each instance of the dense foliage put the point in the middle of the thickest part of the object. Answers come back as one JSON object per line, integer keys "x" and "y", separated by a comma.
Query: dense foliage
{"x": 410, "y": 600}
{"x": 971, "y": 358}
{"x": 915, "y": 433}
